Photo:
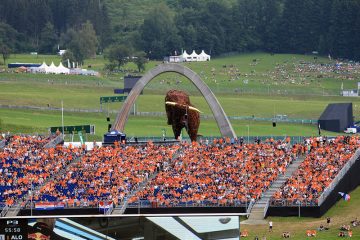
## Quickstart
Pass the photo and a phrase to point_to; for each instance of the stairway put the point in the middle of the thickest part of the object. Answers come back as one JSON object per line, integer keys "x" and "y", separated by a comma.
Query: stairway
{"x": 119, "y": 210}
{"x": 258, "y": 211}
{"x": 15, "y": 209}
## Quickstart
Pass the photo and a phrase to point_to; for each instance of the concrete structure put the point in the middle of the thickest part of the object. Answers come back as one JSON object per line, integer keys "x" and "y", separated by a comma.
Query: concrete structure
{"x": 222, "y": 120}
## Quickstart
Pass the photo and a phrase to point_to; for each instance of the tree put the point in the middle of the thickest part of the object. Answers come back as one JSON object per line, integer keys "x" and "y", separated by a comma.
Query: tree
{"x": 82, "y": 42}
{"x": 48, "y": 39}
{"x": 159, "y": 33}
{"x": 343, "y": 28}
{"x": 9, "y": 36}
{"x": 246, "y": 19}
{"x": 119, "y": 55}
{"x": 5, "y": 51}
{"x": 68, "y": 56}
{"x": 140, "y": 60}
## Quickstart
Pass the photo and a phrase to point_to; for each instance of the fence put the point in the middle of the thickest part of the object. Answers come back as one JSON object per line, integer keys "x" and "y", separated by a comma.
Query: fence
{"x": 54, "y": 142}
{"x": 2, "y": 143}
{"x": 204, "y": 203}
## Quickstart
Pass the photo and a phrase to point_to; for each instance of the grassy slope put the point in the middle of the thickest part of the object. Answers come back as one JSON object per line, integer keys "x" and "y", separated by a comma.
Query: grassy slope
{"x": 39, "y": 121}
{"x": 84, "y": 92}
{"x": 341, "y": 213}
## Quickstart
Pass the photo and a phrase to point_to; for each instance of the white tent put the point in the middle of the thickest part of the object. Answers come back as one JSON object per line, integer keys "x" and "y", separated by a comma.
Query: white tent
{"x": 203, "y": 56}
{"x": 186, "y": 56}
{"x": 52, "y": 68}
{"x": 43, "y": 68}
{"x": 62, "y": 69}
{"x": 194, "y": 56}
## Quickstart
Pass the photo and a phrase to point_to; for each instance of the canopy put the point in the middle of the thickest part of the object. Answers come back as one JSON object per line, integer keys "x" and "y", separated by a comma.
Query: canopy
{"x": 62, "y": 69}
{"x": 203, "y": 56}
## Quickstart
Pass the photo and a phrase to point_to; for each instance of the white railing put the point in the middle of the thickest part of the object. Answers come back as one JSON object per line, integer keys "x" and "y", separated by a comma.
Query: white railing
{"x": 266, "y": 208}
{"x": 2, "y": 143}
{"x": 339, "y": 176}
{"x": 54, "y": 142}
{"x": 248, "y": 210}
{"x": 4, "y": 211}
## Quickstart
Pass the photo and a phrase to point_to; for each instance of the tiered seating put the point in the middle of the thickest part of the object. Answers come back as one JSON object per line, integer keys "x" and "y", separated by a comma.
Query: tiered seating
{"x": 218, "y": 175}
{"x": 106, "y": 174}
{"x": 322, "y": 164}
{"x": 24, "y": 165}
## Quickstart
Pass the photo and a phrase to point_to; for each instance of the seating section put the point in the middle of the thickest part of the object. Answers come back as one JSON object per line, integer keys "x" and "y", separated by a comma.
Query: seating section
{"x": 221, "y": 173}
{"x": 106, "y": 174}
{"x": 24, "y": 165}
{"x": 218, "y": 175}
{"x": 324, "y": 160}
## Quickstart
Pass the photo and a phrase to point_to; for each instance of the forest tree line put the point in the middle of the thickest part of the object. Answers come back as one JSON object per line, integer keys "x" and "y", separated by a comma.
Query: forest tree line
{"x": 218, "y": 27}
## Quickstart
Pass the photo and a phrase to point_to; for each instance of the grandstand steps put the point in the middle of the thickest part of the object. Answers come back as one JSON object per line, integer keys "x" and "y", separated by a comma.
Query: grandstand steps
{"x": 119, "y": 210}
{"x": 13, "y": 211}
{"x": 258, "y": 211}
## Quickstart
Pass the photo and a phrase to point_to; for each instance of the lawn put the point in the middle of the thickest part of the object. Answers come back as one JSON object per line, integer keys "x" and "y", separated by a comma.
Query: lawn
{"x": 29, "y": 121}
{"x": 83, "y": 92}
{"x": 341, "y": 213}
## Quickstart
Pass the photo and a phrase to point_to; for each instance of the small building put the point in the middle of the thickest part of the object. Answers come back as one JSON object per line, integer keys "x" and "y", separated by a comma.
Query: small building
{"x": 61, "y": 52}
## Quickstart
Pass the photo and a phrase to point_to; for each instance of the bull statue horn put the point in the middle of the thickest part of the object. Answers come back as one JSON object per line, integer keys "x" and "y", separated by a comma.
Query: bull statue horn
{"x": 190, "y": 107}
{"x": 195, "y": 109}
{"x": 171, "y": 103}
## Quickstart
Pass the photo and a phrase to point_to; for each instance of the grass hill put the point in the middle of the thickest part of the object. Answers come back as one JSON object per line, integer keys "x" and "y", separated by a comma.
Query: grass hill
{"x": 341, "y": 213}
{"x": 258, "y": 84}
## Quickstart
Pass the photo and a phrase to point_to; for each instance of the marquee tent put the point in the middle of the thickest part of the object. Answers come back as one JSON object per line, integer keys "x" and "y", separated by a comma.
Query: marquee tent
{"x": 62, "y": 69}
{"x": 43, "y": 68}
{"x": 194, "y": 57}
{"x": 52, "y": 68}
{"x": 203, "y": 56}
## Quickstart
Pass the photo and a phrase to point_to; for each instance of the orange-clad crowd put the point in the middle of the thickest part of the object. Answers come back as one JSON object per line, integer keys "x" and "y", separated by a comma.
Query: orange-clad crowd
{"x": 107, "y": 173}
{"x": 25, "y": 164}
{"x": 221, "y": 173}
{"x": 324, "y": 159}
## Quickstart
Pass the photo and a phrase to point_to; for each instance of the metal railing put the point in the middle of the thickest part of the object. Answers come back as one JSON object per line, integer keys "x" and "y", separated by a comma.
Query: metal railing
{"x": 293, "y": 203}
{"x": 57, "y": 140}
{"x": 4, "y": 211}
{"x": 339, "y": 176}
{"x": 2, "y": 143}
{"x": 249, "y": 207}
{"x": 266, "y": 208}
{"x": 204, "y": 203}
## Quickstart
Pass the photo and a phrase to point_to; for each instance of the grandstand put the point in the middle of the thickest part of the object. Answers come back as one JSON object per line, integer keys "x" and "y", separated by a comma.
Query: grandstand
{"x": 205, "y": 177}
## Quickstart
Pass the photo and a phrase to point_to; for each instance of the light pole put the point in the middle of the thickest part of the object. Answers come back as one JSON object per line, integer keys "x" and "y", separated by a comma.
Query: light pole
{"x": 31, "y": 197}
{"x": 248, "y": 133}
{"x": 299, "y": 195}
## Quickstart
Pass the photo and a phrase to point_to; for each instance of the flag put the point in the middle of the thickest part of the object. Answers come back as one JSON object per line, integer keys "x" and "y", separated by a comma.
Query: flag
{"x": 105, "y": 206}
{"x": 345, "y": 196}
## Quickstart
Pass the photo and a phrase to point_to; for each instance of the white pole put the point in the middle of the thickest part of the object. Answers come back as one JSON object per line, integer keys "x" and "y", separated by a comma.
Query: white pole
{"x": 62, "y": 117}
{"x": 248, "y": 127}
{"x": 31, "y": 202}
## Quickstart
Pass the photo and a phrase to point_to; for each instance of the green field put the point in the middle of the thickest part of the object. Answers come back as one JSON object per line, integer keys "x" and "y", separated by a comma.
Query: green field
{"x": 28, "y": 121}
{"x": 261, "y": 96}
{"x": 342, "y": 213}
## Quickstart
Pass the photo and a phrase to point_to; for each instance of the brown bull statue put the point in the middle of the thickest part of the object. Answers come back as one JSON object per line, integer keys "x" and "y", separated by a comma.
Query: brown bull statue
{"x": 182, "y": 114}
